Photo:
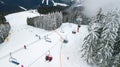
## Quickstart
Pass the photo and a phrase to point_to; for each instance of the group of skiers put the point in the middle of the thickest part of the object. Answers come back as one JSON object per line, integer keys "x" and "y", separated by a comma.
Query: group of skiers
{"x": 78, "y": 27}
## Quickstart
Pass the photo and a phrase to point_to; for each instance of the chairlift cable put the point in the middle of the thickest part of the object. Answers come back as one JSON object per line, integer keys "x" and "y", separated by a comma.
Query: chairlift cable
{"x": 42, "y": 55}
{"x": 59, "y": 35}
{"x": 61, "y": 56}
{"x": 18, "y": 49}
{"x": 22, "y": 47}
{"x": 27, "y": 46}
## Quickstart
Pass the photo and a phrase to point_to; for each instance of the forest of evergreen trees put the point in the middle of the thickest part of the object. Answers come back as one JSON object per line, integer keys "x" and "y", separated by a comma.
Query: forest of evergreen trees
{"x": 49, "y": 21}
{"x": 50, "y": 9}
{"x": 4, "y": 28}
{"x": 2, "y": 18}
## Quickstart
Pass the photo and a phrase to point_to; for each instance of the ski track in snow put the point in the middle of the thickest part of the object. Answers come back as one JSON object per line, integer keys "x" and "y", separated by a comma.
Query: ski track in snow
{"x": 34, "y": 56}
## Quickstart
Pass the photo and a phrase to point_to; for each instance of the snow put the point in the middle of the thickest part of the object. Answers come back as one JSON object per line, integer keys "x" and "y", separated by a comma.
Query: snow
{"x": 61, "y": 4}
{"x": 54, "y": 3}
{"x": 23, "y": 8}
{"x": 43, "y": 1}
{"x": 34, "y": 56}
{"x": 47, "y": 1}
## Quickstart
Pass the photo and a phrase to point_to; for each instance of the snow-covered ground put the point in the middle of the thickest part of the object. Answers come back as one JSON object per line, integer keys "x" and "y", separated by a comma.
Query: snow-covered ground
{"x": 37, "y": 47}
{"x": 23, "y": 8}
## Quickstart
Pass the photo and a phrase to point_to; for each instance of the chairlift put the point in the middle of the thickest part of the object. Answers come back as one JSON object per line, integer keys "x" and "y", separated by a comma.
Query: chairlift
{"x": 65, "y": 41}
{"x": 61, "y": 30}
{"x": 73, "y": 32}
{"x": 47, "y": 39}
{"x": 48, "y": 57}
{"x": 14, "y": 61}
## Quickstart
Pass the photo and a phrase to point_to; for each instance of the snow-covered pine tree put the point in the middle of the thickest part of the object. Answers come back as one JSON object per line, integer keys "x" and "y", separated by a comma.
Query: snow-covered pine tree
{"x": 91, "y": 42}
{"x": 117, "y": 61}
{"x": 100, "y": 48}
{"x": 108, "y": 39}
{"x": 116, "y": 52}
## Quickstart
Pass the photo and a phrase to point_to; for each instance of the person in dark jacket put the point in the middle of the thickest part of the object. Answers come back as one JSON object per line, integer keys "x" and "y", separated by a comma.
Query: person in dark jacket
{"x": 78, "y": 28}
{"x": 25, "y": 47}
{"x": 48, "y": 58}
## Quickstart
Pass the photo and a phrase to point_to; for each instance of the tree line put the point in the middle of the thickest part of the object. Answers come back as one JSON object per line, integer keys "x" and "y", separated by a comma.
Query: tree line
{"x": 49, "y": 21}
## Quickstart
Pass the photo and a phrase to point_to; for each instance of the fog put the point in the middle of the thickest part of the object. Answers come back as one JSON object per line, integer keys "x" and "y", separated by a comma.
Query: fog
{"x": 93, "y": 6}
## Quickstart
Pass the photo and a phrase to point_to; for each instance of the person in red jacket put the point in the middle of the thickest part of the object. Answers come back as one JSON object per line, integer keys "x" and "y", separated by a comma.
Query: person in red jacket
{"x": 22, "y": 66}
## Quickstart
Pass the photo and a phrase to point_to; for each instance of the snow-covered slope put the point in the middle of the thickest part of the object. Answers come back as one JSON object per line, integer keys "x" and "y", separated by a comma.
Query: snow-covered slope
{"x": 23, "y": 8}
{"x": 64, "y": 54}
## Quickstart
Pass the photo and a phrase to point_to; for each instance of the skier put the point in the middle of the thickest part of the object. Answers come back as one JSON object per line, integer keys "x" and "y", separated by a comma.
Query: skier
{"x": 73, "y": 32}
{"x": 67, "y": 58}
{"x": 22, "y": 66}
{"x": 36, "y": 35}
{"x": 78, "y": 28}
{"x": 79, "y": 21}
{"x": 25, "y": 47}
{"x": 39, "y": 37}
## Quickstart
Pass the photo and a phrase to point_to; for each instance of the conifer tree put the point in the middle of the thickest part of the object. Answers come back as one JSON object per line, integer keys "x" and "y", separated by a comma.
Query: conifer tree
{"x": 91, "y": 42}
{"x": 99, "y": 48}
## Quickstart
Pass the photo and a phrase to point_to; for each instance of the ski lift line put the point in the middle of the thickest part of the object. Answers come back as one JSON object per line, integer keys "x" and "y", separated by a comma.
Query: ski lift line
{"x": 59, "y": 35}
{"x": 26, "y": 46}
{"x": 49, "y": 33}
{"x": 61, "y": 39}
{"x": 32, "y": 43}
{"x": 23, "y": 48}
{"x": 61, "y": 56}
{"x": 43, "y": 54}
{"x": 12, "y": 53}
{"x": 29, "y": 45}
{"x": 19, "y": 49}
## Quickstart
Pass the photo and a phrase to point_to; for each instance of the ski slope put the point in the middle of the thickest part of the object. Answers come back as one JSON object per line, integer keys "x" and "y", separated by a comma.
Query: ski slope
{"x": 37, "y": 46}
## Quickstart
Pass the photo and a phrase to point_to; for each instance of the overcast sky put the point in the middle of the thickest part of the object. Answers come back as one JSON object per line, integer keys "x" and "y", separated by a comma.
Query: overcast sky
{"x": 92, "y": 6}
